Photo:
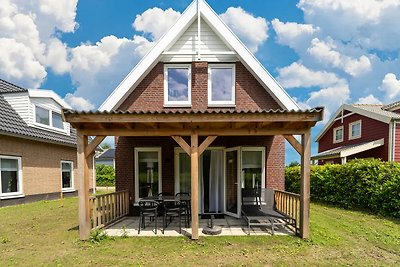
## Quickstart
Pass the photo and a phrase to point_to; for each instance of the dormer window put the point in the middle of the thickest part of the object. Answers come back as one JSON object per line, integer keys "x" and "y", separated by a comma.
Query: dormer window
{"x": 49, "y": 118}
{"x": 177, "y": 85}
{"x": 221, "y": 85}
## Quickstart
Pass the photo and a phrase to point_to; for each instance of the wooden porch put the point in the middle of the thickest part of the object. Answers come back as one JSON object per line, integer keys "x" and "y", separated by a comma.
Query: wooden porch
{"x": 178, "y": 124}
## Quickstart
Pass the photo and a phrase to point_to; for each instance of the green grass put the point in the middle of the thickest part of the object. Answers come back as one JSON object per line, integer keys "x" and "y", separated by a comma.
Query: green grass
{"x": 44, "y": 233}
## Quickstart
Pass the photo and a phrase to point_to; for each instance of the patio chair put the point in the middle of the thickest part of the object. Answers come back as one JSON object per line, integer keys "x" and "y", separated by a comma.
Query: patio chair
{"x": 186, "y": 205}
{"x": 151, "y": 209}
{"x": 257, "y": 213}
{"x": 177, "y": 210}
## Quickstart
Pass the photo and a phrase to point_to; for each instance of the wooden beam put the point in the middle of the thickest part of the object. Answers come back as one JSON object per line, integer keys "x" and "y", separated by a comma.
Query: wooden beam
{"x": 182, "y": 143}
{"x": 194, "y": 159}
{"x": 305, "y": 186}
{"x": 92, "y": 145}
{"x": 295, "y": 144}
{"x": 83, "y": 190}
{"x": 206, "y": 143}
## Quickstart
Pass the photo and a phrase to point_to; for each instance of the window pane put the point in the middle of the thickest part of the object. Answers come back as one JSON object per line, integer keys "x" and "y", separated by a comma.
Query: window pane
{"x": 148, "y": 174}
{"x": 355, "y": 129}
{"x": 184, "y": 173}
{"x": 66, "y": 172}
{"x": 221, "y": 84}
{"x": 339, "y": 134}
{"x": 251, "y": 169}
{"x": 42, "y": 116}
{"x": 9, "y": 175}
{"x": 178, "y": 84}
{"x": 57, "y": 121}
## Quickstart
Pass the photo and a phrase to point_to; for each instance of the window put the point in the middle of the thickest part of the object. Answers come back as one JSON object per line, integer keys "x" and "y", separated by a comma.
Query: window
{"x": 49, "y": 118}
{"x": 147, "y": 172}
{"x": 10, "y": 176}
{"x": 253, "y": 170}
{"x": 355, "y": 130}
{"x": 338, "y": 134}
{"x": 221, "y": 85}
{"x": 177, "y": 85}
{"x": 67, "y": 176}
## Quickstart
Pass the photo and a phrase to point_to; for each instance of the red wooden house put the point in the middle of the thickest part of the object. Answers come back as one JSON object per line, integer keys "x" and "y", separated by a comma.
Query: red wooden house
{"x": 361, "y": 131}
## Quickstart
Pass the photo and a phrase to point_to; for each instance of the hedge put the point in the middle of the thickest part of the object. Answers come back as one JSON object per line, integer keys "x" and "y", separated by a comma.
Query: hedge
{"x": 105, "y": 175}
{"x": 365, "y": 184}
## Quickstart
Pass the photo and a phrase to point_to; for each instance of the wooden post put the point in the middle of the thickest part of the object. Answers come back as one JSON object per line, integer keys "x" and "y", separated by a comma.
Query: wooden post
{"x": 305, "y": 186}
{"x": 83, "y": 190}
{"x": 194, "y": 157}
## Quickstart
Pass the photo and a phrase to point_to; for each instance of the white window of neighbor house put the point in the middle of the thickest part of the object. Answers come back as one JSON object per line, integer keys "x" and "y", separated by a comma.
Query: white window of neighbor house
{"x": 355, "y": 130}
{"x": 57, "y": 120}
{"x": 10, "y": 176}
{"x": 177, "y": 85}
{"x": 42, "y": 115}
{"x": 338, "y": 134}
{"x": 67, "y": 176}
{"x": 221, "y": 85}
{"x": 46, "y": 117}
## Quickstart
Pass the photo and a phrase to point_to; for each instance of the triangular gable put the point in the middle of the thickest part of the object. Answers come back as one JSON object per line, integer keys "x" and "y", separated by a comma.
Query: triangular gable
{"x": 124, "y": 89}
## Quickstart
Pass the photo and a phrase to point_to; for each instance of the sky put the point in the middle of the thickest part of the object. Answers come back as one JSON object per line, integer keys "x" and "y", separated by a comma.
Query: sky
{"x": 323, "y": 52}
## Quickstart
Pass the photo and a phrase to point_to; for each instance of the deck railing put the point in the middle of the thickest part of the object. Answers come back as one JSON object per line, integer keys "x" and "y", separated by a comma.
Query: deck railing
{"x": 289, "y": 204}
{"x": 106, "y": 209}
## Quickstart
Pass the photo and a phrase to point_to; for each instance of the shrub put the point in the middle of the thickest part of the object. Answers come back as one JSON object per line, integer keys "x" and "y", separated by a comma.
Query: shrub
{"x": 98, "y": 235}
{"x": 105, "y": 175}
{"x": 365, "y": 184}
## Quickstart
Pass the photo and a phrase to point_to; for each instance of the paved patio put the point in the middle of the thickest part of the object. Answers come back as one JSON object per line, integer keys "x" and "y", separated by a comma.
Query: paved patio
{"x": 230, "y": 227}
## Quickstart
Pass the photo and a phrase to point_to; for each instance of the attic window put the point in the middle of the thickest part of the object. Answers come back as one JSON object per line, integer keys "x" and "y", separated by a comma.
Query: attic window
{"x": 48, "y": 118}
{"x": 338, "y": 134}
{"x": 355, "y": 130}
{"x": 177, "y": 85}
{"x": 221, "y": 85}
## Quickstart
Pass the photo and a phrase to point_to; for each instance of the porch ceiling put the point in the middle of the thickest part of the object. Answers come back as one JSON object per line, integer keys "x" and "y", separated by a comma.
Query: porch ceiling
{"x": 204, "y": 122}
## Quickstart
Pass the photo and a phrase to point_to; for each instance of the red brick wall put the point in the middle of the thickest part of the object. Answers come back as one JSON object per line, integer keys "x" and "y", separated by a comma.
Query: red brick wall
{"x": 371, "y": 130}
{"x": 149, "y": 94}
{"x": 124, "y": 158}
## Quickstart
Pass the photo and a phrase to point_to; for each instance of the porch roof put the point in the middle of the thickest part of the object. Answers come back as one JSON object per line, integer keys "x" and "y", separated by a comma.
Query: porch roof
{"x": 184, "y": 122}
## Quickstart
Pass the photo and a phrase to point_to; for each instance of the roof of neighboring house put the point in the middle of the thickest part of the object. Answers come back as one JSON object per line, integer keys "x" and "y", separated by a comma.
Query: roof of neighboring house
{"x": 345, "y": 151}
{"x": 12, "y": 124}
{"x": 199, "y": 8}
{"x": 392, "y": 106}
{"x": 107, "y": 154}
{"x": 374, "y": 111}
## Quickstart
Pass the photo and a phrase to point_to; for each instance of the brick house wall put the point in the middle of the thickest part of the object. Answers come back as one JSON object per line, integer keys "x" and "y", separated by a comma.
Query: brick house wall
{"x": 41, "y": 167}
{"x": 371, "y": 130}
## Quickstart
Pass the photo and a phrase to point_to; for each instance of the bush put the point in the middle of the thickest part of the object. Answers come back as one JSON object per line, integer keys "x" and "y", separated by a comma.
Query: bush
{"x": 364, "y": 184}
{"x": 105, "y": 175}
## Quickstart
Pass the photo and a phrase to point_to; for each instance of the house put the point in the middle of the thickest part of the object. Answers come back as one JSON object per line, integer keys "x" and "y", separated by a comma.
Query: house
{"x": 106, "y": 157}
{"x": 360, "y": 131}
{"x": 37, "y": 148}
{"x": 199, "y": 114}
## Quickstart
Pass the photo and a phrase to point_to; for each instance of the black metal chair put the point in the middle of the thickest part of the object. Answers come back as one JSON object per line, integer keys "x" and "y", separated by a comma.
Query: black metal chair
{"x": 186, "y": 205}
{"x": 151, "y": 209}
{"x": 175, "y": 210}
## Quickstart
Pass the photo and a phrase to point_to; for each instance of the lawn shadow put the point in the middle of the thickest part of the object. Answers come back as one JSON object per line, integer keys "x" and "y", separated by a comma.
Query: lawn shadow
{"x": 75, "y": 228}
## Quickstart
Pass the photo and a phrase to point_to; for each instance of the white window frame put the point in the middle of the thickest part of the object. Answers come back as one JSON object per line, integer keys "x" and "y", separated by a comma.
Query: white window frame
{"x": 351, "y": 137}
{"x": 229, "y": 103}
{"x": 72, "y": 188}
{"x": 256, "y": 149}
{"x": 146, "y": 149}
{"x": 334, "y": 134}
{"x": 168, "y": 103}
{"x": 50, "y": 126}
{"x": 19, "y": 193}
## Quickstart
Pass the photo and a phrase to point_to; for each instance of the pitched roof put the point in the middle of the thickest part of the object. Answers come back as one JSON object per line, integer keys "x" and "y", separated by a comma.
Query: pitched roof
{"x": 198, "y": 7}
{"x": 12, "y": 124}
{"x": 374, "y": 111}
{"x": 107, "y": 154}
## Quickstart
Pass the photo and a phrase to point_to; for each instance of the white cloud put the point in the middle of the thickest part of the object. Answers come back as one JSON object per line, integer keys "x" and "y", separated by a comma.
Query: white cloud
{"x": 295, "y": 35}
{"x": 253, "y": 31}
{"x": 156, "y": 21}
{"x": 390, "y": 87}
{"x": 297, "y": 75}
{"x": 326, "y": 53}
{"x": 78, "y": 103}
{"x": 57, "y": 56}
{"x": 369, "y": 99}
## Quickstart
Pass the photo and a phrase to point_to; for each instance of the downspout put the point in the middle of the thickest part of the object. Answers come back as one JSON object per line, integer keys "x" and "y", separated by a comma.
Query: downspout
{"x": 391, "y": 140}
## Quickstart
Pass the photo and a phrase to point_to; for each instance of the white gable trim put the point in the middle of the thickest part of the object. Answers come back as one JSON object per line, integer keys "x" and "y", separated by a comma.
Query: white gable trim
{"x": 40, "y": 93}
{"x": 222, "y": 30}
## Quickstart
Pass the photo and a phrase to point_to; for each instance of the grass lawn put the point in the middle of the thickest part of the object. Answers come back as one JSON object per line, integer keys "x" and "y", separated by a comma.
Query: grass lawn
{"x": 44, "y": 233}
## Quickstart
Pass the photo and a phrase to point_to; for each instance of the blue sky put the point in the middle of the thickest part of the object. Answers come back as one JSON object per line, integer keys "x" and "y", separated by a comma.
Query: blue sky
{"x": 323, "y": 52}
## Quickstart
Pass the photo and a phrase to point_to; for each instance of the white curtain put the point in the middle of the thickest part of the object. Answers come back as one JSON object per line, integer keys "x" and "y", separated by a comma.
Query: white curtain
{"x": 216, "y": 195}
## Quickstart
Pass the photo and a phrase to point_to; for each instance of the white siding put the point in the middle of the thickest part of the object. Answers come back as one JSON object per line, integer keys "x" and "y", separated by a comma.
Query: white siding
{"x": 209, "y": 44}
{"x": 49, "y": 104}
{"x": 21, "y": 104}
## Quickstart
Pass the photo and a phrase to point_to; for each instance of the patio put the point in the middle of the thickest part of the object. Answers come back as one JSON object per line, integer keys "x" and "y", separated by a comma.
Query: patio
{"x": 230, "y": 227}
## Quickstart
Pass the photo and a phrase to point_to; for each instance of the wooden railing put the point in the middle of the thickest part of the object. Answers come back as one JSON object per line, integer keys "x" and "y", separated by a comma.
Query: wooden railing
{"x": 106, "y": 209}
{"x": 289, "y": 204}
